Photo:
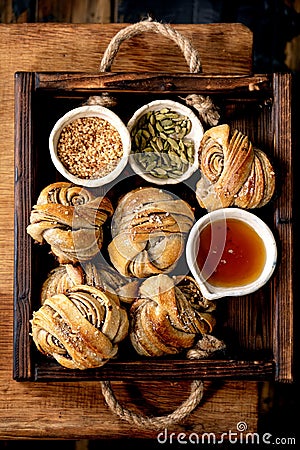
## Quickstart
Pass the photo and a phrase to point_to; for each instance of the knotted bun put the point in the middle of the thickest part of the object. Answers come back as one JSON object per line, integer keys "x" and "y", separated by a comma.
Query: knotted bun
{"x": 69, "y": 218}
{"x": 167, "y": 317}
{"x": 233, "y": 172}
{"x": 149, "y": 228}
{"x": 81, "y": 329}
{"x": 65, "y": 276}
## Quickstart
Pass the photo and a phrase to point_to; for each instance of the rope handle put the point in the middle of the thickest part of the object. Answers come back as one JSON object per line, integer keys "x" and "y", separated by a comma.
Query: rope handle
{"x": 204, "y": 348}
{"x": 190, "y": 53}
{"x": 157, "y": 422}
{"x": 207, "y": 111}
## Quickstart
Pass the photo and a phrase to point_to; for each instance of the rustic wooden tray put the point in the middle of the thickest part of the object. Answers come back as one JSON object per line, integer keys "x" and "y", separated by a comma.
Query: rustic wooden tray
{"x": 258, "y": 328}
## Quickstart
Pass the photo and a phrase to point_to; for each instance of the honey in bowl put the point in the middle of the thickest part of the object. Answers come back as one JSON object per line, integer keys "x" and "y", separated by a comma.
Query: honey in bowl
{"x": 231, "y": 253}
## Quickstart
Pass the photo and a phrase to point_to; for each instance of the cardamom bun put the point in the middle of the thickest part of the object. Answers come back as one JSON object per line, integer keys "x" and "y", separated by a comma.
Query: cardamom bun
{"x": 70, "y": 219}
{"x": 81, "y": 329}
{"x": 233, "y": 172}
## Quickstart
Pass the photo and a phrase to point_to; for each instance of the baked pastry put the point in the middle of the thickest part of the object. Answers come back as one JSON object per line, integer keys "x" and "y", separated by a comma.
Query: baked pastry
{"x": 61, "y": 279}
{"x": 104, "y": 277}
{"x": 168, "y": 315}
{"x": 65, "y": 276}
{"x": 148, "y": 229}
{"x": 80, "y": 329}
{"x": 69, "y": 218}
{"x": 233, "y": 172}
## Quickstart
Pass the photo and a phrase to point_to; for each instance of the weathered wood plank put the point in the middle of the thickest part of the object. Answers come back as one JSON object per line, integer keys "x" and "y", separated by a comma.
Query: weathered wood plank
{"x": 152, "y": 82}
{"x": 231, "y": 52}
{"x": 284, "y": 220}
{"x": 175, "y": 370}
{"x": 24, "y": 171}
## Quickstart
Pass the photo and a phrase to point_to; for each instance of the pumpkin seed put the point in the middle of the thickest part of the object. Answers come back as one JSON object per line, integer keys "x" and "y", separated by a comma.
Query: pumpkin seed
{"x": 182, "y": 133}
{"x": 164, "y": 110}
{"x": 159, "y": 127}
{"x": 143, "y": 164}
{"x": 169, "y": 131}
{"x": 183, "y": 159}
{"x": 137, "y": 140}
{"x": 189, "y": 126}
{"x": 150, "y": 166}
{"x": 167, "y": 123}
{"x": 152, "y": 119}
{"x": 151, "y": 129}
{"x": 177, "y": 172}
{"x": 173, "y": 143}
{"x": 157, "y": 175}
{"x": 166, "y": 159}
{"x": 172, "y": 155}
{"x": 160, "y": 171}
{"x": 160, "y": 144}
{"x": 159, "y": 116}
{"x": 172, "y": 115}
{"x": 154, "y": 146}
{"x": 146, "y": 134}
{"x": 173, "y": 175}
{"x": 163, "y": 136}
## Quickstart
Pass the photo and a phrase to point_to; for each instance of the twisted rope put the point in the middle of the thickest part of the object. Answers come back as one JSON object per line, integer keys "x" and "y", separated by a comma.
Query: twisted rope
{"x": 204, "y": 348}
{"x": 204, "y": 105}
{"x": 158, "y": 422}
{"x": 190, "y": 53}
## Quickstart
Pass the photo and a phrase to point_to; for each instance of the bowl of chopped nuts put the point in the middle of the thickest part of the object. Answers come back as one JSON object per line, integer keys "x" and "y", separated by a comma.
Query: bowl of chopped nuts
{"x": 90, "y": 145}
{"x": 165, "y": 138}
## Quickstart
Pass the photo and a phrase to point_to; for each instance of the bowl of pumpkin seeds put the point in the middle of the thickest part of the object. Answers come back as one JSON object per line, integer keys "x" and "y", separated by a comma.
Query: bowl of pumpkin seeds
{"x": 165, "y": 138}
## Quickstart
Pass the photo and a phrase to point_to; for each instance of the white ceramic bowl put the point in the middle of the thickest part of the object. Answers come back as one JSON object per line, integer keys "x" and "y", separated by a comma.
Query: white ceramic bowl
{"x": 90, "y": 111}
{"x": 195, "y": 135}
{"x": 211, "y": 291}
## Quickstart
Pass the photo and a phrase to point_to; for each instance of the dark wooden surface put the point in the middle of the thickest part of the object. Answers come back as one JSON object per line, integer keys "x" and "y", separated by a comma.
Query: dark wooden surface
{"x": 75, "y": 11}
{"x": 76, "y": 410}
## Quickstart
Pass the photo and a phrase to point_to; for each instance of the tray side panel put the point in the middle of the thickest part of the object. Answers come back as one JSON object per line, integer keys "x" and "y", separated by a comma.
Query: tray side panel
{"x": 150, "y": 82}
{"x": 175, "y": 370}
{"x": 282, "y": 292}
{"x": 24, "y": 84}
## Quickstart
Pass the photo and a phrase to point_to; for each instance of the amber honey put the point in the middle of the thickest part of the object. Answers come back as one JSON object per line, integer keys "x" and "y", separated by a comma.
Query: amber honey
{"x": 231, "y": 253}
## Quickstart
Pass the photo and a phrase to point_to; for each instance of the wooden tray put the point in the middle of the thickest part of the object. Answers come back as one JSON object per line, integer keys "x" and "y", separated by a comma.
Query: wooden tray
{"x": 258, "y": 328}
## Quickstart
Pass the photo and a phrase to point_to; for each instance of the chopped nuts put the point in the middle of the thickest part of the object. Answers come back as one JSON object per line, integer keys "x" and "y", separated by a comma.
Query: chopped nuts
{"x": 89, "y": 147}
